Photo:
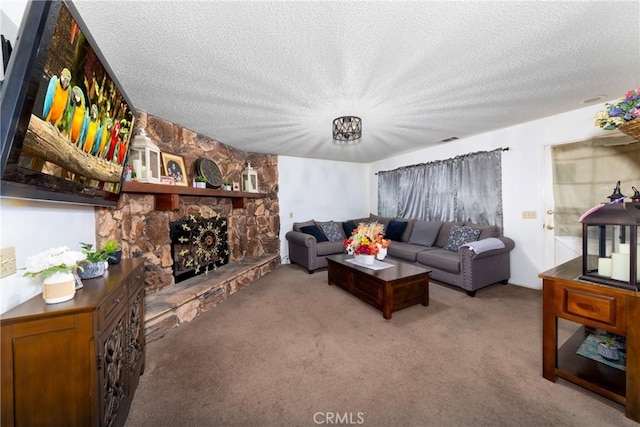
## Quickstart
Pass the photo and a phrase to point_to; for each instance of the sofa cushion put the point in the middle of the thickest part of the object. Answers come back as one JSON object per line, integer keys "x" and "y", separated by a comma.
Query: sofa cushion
{"x": 332, "y": 230}
{"x": 459, "y": 235}
{"x": 330, "y": 248}
{"x": 394, "y": 230}
{"x": 486, "y": 231}
{"x": 443, "y": 234}
{"x": 315, "y": 231}
{"x": 380, "y": 219}
{"x": 298, "y": 225}
{"x": 440, "y": 259}
{"x": 408, "y": 230}
{"x": 425, "y": 233}
{"x": 404, "y": 251}
{"x": 348, "y": 227}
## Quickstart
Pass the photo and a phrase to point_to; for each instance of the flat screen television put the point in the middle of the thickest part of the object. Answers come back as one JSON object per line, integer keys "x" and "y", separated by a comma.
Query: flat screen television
{"x": 66, "y": 121}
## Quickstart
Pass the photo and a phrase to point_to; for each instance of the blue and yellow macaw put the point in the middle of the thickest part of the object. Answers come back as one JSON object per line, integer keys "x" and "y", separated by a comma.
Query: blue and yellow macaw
{"x": 92, "y": 129}
{"x": 57, "y": 98}
{"x": 79, "y": 117}
{"x": 102, "y": 137}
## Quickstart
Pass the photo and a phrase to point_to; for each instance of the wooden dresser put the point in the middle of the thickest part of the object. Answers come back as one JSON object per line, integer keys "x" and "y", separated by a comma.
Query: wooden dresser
{"x": 595, "y": 306}
{"x": 75, "y": 363}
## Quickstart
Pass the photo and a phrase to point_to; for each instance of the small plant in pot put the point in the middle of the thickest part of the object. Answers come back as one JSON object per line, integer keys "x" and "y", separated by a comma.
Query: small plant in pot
{"x": 201, "y": 182}
{"x": 608, "y": 348}
{"x": 227, "y": 185}
{"x": 114, "y": 252}
{"x": 95, "y": 264}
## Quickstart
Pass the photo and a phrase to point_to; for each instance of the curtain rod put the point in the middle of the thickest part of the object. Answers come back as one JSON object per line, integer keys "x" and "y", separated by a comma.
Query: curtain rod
{"x": 495, "y": 149}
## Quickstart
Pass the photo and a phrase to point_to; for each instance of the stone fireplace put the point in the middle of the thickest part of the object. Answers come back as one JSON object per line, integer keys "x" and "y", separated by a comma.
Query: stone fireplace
{"x": 251, "y": 247}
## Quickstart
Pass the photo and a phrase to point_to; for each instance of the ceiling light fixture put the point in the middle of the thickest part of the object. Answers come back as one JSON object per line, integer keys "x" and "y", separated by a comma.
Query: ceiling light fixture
{"x": 347, "y": 128}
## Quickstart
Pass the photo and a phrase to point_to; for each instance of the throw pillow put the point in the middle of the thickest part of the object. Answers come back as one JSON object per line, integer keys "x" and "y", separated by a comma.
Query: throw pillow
{"x": 459, "y": 235}
{"x": 315, "y": 231}
{"x": 331, "y": 230}
{"x": 348, "y": 227}
{"x": 425, "y": 233}
{"x": 394, "y": 230}
{"x": 297, "y": 226}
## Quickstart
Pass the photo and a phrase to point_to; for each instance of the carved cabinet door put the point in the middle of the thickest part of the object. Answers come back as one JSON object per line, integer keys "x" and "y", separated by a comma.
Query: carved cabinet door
{"x": 112, "y": 368}
{"x": 135, "y": 333}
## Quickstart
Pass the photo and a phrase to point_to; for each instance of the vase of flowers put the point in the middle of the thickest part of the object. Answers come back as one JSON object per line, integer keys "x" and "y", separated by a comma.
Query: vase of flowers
{"x": 365, "y": 242}
{"x": 57, "y": 267}
{"x": 622, "y": 114}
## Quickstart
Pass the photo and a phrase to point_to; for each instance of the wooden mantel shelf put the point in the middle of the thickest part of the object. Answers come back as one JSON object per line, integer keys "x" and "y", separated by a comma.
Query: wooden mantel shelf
{"x": 168, "y": 196}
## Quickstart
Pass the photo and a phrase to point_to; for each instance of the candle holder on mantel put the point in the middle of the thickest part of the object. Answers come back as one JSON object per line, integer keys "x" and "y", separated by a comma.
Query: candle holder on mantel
{"x": 610, "y": 251}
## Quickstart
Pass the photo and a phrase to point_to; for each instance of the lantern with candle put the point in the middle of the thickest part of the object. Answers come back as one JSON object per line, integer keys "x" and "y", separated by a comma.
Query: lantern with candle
{"x": 610, "y": 252}
{"x": 144, "y": 158}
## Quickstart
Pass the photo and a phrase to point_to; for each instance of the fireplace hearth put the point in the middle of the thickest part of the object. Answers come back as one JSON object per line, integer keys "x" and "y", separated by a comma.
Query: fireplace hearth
{"x": 198, "y": 245}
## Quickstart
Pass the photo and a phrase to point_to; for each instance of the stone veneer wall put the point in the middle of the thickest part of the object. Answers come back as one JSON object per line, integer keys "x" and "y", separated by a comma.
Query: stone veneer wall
{"x": 143, "y": 231}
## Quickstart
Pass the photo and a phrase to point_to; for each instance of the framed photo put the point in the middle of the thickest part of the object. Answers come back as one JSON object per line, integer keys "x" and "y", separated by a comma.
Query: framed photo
{"x": 174, "y": 167}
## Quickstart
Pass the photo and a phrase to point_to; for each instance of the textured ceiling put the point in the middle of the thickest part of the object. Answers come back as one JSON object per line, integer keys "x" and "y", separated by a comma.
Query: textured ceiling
{"x": 270, "y": 77}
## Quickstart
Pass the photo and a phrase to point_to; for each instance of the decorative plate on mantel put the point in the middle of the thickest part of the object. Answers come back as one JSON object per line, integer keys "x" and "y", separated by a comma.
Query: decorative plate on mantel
{"x": 210, "y": 171}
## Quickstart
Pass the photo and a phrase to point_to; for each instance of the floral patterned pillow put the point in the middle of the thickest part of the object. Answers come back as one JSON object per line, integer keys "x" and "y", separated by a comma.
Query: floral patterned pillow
{"x": 331, "y": 230}
{"x": 459, "y": 235}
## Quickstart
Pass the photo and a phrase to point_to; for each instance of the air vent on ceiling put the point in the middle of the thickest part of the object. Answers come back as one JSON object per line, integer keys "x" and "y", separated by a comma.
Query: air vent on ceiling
{"x": 451, "y": 138}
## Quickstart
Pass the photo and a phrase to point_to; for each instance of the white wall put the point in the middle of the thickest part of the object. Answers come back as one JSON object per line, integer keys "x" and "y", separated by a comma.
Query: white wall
{"x": 32, "y": 227}
{"x": 322, "y": 190}
{"x": 523, "y": 183}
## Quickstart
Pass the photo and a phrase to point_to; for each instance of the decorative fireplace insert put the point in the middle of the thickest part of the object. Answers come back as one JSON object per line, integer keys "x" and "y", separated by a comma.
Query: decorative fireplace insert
{"x": 198, "y": 246}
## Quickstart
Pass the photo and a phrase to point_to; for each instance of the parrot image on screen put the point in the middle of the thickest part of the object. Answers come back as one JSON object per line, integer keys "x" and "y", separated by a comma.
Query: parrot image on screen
{"x": 79, "y": 117}
{"x": 92, "y": 129}
{"x": 57, "y": 98}
{"x": 102, "y": 137}
{"x": 115, "y": 137}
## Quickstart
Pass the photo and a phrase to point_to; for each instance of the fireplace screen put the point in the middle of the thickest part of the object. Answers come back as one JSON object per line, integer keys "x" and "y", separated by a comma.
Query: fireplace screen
{"x": 198, "y": 246}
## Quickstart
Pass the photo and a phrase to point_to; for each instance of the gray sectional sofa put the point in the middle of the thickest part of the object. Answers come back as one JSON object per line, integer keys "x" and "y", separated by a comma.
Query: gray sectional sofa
{"x": 465, "y": 255}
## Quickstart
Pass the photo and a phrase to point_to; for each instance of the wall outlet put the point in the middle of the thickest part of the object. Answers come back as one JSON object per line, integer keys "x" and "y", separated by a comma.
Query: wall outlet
{"x": 7, "y": 261}
{"x": 529, "y": 215}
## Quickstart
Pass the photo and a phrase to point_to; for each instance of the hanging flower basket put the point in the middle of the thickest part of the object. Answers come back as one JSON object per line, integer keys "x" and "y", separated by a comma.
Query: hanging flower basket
{"x": 631, "y": 128}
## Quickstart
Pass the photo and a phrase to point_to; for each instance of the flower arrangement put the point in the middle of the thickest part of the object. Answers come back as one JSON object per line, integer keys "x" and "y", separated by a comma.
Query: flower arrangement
{"x": 365, "y": 239}
{"x": 620, "y": 111}
{"x": 54, "y": 260}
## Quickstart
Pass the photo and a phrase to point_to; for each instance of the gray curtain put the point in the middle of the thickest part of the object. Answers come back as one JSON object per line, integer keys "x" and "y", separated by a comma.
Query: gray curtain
{"x": 465, "y": 188}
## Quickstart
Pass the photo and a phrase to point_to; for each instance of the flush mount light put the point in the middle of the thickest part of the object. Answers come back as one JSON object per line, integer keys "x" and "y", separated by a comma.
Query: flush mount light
{"x": 347, "y": 128}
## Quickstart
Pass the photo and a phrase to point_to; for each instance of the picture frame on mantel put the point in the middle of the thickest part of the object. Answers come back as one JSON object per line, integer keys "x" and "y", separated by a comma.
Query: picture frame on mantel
{"x": 174, "y": 167}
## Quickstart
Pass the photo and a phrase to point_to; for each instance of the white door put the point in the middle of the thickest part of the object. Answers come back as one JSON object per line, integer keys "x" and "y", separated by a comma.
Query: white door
{"x": 557, "y": 249}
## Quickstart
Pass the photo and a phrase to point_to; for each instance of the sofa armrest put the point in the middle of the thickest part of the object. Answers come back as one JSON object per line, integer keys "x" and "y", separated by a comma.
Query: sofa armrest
{"x": 486, "y": 268}
{"x": 300, "y": 238}
{"x": 509, "y": 244}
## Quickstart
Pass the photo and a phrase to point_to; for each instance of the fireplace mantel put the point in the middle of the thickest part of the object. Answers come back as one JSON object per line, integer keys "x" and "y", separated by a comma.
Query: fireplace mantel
{"x": 167, "y": 197}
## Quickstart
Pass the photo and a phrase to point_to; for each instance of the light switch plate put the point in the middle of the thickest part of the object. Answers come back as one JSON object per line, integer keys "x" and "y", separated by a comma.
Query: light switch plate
{"x": 529, "y": 215}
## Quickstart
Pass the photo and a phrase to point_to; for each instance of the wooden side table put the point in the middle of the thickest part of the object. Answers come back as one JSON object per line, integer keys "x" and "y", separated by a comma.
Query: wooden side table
{"x": 594, "y": 306}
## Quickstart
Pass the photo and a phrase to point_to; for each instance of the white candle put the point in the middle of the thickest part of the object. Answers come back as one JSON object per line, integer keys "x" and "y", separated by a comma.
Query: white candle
{"x": 620, "y": 266}
{"x": 604, "y": 267}
{"x": 143, "y": 172}
{"x": 137, "y": 165}
{"x": 625, "y": 248}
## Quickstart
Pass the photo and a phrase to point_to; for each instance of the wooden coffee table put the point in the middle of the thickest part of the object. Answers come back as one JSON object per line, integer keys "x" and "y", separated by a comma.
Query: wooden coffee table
{"x": 389, "y": 290}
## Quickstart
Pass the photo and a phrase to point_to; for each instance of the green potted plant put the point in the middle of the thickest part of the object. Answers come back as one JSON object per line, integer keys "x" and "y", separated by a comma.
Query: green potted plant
{"x": 608, "y": 348}
{"x": 95, "y": 263}
{"x": 227, "y": 185}
{"x": 114, "y": 252}
{"x": 200, "y": 181}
